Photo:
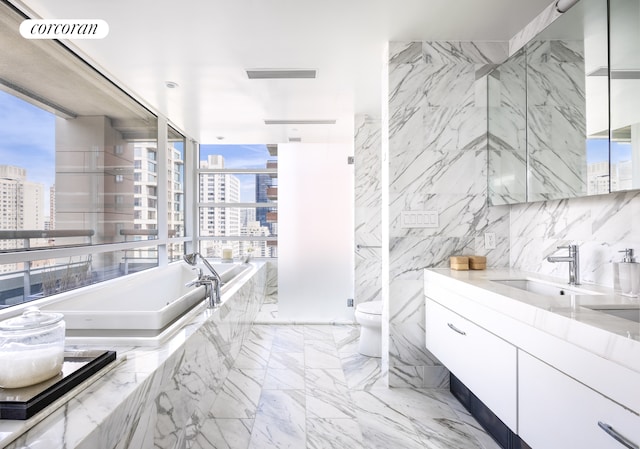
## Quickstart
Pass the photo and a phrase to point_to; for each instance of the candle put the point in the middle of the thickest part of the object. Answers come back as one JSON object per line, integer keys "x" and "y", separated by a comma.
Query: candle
{"x": 227, "y": 253}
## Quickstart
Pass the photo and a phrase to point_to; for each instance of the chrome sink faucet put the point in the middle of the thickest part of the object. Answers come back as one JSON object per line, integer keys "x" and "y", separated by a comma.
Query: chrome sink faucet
{"x": 574, "y": 262}
{"x": 211, "y": 281}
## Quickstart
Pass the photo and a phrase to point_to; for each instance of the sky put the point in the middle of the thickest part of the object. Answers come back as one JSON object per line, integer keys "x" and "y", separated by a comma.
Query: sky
{"x": 27, "y": 138}
{"x": 240, "y": 156}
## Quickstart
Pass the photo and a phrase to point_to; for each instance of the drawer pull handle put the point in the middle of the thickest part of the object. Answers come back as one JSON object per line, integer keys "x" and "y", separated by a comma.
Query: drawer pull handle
{"x": 456, "y": 329}
{"x": 616, "y": 436}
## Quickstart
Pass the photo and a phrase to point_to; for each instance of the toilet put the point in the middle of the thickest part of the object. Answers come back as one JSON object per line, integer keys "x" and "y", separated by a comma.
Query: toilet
{"x": 369, "y": 316}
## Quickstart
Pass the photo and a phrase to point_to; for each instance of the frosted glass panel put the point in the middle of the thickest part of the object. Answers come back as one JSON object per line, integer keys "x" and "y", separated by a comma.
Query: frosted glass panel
{"x": 315, "y": 237}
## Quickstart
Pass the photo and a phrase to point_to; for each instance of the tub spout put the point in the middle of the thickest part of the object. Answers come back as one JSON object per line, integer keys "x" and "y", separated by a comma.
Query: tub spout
{"x": 210, "y": 281}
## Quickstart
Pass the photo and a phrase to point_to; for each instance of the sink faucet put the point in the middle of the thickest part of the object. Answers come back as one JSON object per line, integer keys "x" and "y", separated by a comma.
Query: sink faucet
{"x": 211, "y": 281}
{"x": 574, "y": 262}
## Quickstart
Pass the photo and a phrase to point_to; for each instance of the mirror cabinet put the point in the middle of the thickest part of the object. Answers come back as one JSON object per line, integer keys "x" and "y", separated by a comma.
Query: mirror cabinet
{"x": 561, "y": 122}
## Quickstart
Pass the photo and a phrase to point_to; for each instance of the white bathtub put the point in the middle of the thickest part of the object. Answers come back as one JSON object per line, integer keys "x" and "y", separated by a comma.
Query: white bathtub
{"x": 145, "y": 302}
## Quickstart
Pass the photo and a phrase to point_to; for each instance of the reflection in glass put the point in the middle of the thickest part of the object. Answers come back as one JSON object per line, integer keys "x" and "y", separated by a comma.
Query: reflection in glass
{"x": 26, "y": 281}
{"x": 625, "y": 94}
{"x": 507, "y": 118}
{"x": 565, "y": 103}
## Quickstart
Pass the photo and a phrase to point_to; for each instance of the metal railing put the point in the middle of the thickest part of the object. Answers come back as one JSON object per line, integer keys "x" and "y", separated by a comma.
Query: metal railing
{"x": 27, "y": 235}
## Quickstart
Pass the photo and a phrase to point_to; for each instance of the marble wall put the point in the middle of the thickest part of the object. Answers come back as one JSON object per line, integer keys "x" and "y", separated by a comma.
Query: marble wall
{"x": 368, "y": 209}
{"x": 601, "y": 225}
{"x": 437, "y": 161}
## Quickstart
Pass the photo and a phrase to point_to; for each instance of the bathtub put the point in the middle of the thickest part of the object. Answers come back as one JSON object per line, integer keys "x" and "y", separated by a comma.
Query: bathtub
{"x": 143, "y": 303}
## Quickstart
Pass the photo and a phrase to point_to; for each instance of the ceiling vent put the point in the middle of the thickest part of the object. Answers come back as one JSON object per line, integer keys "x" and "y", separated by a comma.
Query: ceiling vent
{"x": 295, "y": 139}
{"x": 300, "y": 122}
{"x": 273, "y": 74}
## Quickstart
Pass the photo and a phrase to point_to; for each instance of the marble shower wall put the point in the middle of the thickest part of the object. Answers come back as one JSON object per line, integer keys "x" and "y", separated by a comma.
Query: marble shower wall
{"x": 437, "y": 161}
{"x": 601, "y": 225}
{"x": 368, "y": 209}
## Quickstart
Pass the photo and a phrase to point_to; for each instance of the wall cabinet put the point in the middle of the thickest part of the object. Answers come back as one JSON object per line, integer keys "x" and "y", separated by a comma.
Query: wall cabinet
{"x": 485, "y": 363}
{"x": 557, "y": 411}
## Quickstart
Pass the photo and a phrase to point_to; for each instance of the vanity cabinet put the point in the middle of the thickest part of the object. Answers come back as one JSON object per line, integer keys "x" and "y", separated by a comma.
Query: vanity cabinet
{"x": 485, "y": 363}
{"x": 557, "y": 411}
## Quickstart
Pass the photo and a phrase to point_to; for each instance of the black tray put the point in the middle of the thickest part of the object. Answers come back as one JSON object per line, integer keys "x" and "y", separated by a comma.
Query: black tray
{"x": 23, "y": 403}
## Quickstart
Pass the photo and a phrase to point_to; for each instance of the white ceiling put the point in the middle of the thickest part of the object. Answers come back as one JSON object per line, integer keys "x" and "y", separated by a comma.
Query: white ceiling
{"x": 205, "y": 46}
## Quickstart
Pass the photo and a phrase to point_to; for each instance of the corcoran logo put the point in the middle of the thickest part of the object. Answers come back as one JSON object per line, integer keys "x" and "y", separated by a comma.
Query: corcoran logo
{"x": 64, "y": 29}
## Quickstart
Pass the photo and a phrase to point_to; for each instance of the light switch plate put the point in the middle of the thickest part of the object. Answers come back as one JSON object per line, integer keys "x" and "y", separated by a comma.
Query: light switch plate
{"x": 419, "y": 219}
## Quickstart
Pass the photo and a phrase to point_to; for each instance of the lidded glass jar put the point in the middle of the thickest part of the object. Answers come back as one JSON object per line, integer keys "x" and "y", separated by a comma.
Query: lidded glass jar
{"x": 31, "y": 348}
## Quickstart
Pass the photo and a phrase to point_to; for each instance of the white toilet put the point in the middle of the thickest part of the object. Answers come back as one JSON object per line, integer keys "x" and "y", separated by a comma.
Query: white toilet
{"x": 369, "y": 316}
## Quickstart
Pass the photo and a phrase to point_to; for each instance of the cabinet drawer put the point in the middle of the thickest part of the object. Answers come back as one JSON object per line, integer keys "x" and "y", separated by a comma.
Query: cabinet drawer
{"x": 557, "y": 411}
{"x": 485, "y": 363}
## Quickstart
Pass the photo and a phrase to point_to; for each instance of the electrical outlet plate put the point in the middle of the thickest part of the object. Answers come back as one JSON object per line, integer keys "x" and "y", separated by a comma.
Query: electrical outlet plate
{"x": 489, "y": 240}
{"x": 419, "y": 219}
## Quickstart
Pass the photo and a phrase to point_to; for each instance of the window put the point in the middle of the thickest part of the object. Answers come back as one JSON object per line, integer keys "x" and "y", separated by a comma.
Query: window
{"x": 238, "y": 200}
{"x": 51, "y": 179}
{"x": 175, "y": 181}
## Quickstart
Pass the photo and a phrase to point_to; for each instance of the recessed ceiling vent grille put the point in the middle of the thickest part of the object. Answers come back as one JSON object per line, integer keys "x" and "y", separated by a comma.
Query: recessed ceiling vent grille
{"x": 295, "y": 139}
{"x": 273, "y": 74}
{"x": 300, "y": 122}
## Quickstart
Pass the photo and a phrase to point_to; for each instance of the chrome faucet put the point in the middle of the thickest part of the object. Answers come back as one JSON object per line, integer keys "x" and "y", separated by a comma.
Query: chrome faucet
{"x": 574, "y": 262}
{"x": 211, "y": 281}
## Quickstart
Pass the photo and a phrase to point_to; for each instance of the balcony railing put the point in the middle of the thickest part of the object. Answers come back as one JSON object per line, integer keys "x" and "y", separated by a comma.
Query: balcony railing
{"x": 72, "y": 269}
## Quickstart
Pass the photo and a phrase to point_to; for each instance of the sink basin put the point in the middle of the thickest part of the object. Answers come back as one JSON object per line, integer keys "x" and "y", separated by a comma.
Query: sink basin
{"x": 543, "y": 288}
{"x": 627, "y": 313}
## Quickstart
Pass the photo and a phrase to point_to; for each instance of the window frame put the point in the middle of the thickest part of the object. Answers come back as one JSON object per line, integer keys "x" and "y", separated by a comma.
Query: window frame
{"x": 240, "y": 205}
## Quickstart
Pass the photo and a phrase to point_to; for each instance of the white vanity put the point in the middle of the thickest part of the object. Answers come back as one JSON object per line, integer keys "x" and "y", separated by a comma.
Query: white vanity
{"x": 556, "y": 372}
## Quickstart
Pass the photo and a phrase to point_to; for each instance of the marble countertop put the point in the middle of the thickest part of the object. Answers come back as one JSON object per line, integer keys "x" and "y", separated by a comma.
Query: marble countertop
{"x": 105, "y": 390}
{"x": 567, "y": 317}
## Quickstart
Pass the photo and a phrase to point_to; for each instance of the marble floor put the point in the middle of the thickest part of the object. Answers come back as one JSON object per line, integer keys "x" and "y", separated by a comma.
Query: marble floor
{"x": 305, "y": 386}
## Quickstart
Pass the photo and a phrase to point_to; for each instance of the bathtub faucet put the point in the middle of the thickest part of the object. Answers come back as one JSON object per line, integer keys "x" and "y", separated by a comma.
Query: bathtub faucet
{"x": 211, "y": 281}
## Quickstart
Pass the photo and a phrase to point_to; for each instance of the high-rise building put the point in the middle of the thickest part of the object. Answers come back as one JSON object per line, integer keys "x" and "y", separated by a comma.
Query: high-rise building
{"x": 145, "y": 197}
{"x": 52, "y": 207}
{"x": 259, "y": 248}
{"x": 247, "y": 215}
{"x": 21, "y": 207}
{"x": 146, "y": 188}
{"x": 598, "y": 178}
{"x": 218, "y": 221}
{"x": 263, "y": 182}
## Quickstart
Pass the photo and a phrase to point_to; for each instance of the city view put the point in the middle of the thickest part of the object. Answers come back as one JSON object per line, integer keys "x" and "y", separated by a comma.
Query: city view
{"x": 51, "y": 180}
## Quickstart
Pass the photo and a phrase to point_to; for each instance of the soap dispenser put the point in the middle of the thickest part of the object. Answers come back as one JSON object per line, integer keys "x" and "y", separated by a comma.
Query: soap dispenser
{"x": 627, "y": 274}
